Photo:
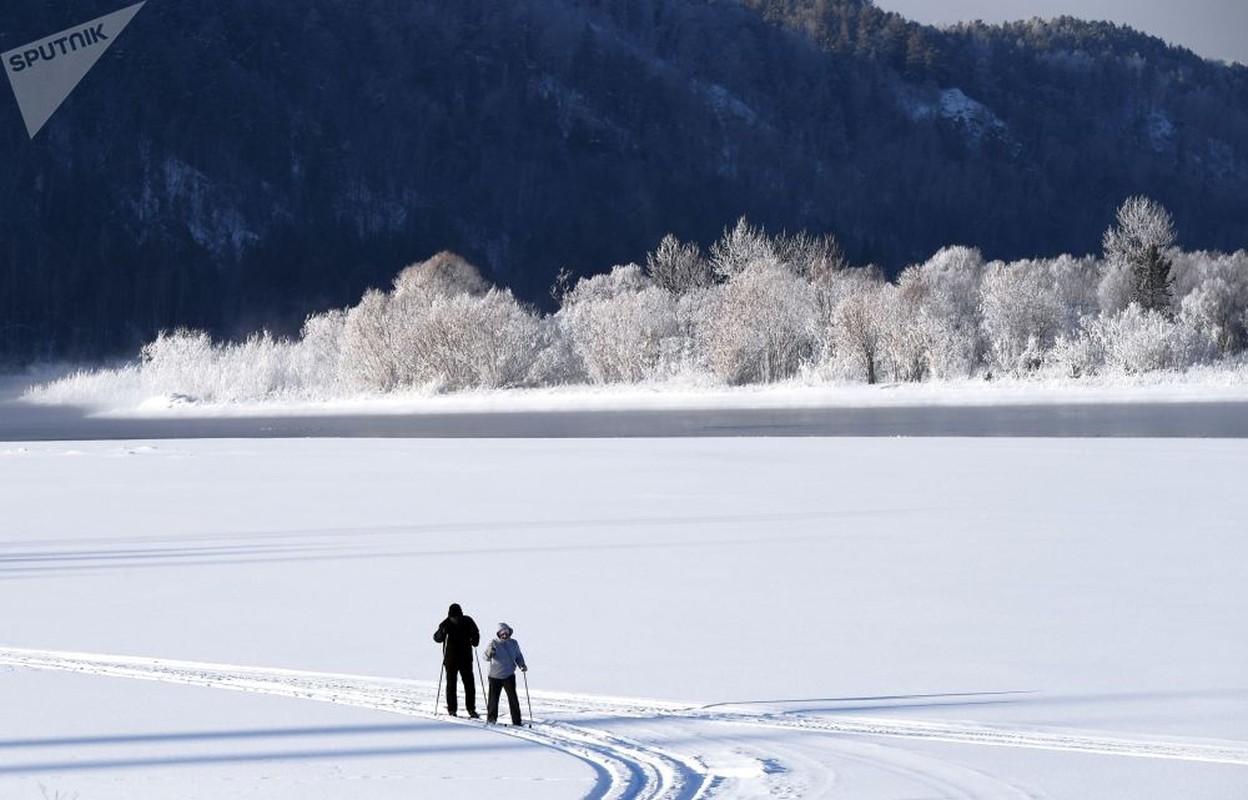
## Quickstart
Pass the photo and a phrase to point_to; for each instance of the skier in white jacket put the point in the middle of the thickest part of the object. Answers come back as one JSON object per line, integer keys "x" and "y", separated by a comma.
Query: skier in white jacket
{"x": 504, "y": 656}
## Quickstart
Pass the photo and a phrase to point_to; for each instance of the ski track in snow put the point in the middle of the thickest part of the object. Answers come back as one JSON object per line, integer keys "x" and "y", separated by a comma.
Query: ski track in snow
{"x": 629, "y": 768}
{"x": 625, "y": 769}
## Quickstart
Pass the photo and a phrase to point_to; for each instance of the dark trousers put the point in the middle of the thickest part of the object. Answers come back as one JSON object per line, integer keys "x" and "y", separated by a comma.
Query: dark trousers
{"x": 497, "y": 685}
{"x": 464, "y": 671}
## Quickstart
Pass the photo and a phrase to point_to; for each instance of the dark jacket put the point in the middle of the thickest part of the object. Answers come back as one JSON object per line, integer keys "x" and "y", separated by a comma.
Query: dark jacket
{"x": 460, "y": 634}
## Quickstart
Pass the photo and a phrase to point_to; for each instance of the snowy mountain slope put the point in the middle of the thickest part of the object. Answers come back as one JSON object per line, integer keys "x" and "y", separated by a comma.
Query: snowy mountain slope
{"x": 264, "y": 163}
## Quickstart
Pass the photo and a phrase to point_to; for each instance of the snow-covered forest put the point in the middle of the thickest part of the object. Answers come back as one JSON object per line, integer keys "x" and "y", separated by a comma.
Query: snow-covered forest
{"x": 754, "y": 308}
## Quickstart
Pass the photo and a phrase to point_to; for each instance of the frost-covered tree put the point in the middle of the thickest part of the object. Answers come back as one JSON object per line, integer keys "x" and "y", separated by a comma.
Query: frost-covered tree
{"x": 369, "y": 351}
{"x": 467, "y": 341}
{"x": 1212, "y": 310}
{"x": 1137, "y": 244}
{"x": 181, "y": 362}
{"x": 190, "y": 366}
{"x": 1213, "y": 292}
{"x": 621, "y": 279}
{"x": 382, "y": 346}
{"x": 905, "y": 340}
{"x": 745, "y": 244}
{"x": 443, "y": 327}
{"x": 860, "y": 327}
{"x": 621, "y": 326}
{"x": 816, "y": 258}
{"x": 1075, "y": 285}
{"x": 1114, "y": 290}
{"x": 935, "y": 328}
{"x": 760, "y": 328}
{"x": 694, "y": 312}
{"x": 678, "y": 266}
{"x": 450, "y": 335}
{"x": 1130, "y": 342}
{"x": 1022, "y": 315}
{"x": 951, "y": 310}
{"x": 444, "y": 275}
{"x": 317, "y": 356}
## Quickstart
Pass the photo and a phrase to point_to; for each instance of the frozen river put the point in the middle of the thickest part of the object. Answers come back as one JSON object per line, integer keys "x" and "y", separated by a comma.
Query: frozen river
{"x": 25, "y": 422}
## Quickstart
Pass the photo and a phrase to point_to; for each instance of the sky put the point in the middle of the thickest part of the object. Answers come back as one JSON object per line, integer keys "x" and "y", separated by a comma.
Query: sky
{"x": 1210, "y": 28}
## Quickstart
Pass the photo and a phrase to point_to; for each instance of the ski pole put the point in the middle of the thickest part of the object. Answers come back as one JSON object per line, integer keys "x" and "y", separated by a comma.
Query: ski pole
{"x": 525, "y": 673}
{"x": 480, "y": 679}
{"x": 441, "y": 669}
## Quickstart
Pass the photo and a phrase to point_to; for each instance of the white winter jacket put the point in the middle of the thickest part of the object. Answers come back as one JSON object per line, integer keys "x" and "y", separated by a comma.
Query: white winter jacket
{"x": 504, "y": 656}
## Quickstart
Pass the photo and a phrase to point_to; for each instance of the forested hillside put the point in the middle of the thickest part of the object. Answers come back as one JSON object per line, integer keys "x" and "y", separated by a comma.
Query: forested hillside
{"x": 233, "y": 165}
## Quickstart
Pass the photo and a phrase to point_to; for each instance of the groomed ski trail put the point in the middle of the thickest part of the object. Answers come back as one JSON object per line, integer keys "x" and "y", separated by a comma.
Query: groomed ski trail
{"x": 626, "y": 767}
{"x": 1177, "y": 749}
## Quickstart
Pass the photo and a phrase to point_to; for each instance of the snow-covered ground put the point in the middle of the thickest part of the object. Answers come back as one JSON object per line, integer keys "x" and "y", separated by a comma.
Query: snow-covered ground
{"x": 877, "y": 619}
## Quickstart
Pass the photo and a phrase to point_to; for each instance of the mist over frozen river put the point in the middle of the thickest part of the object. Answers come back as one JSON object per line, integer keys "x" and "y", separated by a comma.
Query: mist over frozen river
{"x": 26, "y": 422}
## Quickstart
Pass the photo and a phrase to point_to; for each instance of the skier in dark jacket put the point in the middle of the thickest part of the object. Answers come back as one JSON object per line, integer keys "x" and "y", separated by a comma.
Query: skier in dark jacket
{"x": 505, "y": 658}
{"x": 458, "y": 634}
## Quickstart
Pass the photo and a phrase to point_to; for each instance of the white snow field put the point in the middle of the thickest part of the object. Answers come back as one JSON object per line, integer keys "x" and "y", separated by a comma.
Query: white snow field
{"x": 875, "y": 619}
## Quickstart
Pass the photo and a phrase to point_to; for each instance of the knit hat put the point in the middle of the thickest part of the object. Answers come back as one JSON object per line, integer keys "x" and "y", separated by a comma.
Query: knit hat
{"x": 454, "y": 611}
{"x": 503, "y": 627}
